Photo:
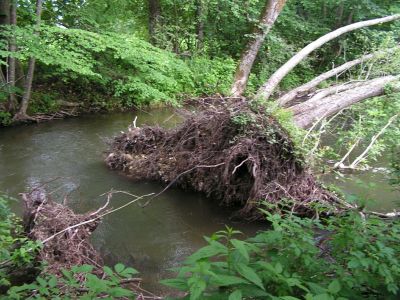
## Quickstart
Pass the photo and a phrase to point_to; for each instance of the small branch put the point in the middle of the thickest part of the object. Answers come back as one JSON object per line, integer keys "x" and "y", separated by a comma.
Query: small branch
{"x": 373, "y": 140}
{"x": 340, "y": 163}
{"x": 96, "y": 218}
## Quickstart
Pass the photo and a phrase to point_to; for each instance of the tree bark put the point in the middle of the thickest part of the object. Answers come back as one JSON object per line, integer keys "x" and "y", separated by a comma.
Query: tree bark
{"x": 316, "y": 108}
{"x": 268, "y": 88}
{"x": 307, "y": 87}
{"x": 31, "y": 69}
{"x": 12, "y": 101}
{"x": 4, "y": 20}
{"x": 4, "y": 12}
{"x": 199, "y": 24}
{"x": 154, "y": 18}
{"x": 268, "y": 17}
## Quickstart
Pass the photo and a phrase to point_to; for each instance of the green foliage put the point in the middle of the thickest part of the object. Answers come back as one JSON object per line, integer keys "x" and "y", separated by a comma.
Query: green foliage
{"x": 5, "y": 118}
{"x": 77, "y": 283}
{"x": 343, "y": 257}
{"x": 44, "y": 103}
{"x": 395, "y": 166}
{"x": 210, "y": 76}
{"x": 15, "y": 249}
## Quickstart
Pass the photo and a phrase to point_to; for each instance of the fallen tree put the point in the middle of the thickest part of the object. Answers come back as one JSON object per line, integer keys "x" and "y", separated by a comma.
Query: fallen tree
{"x": 307, "y": 87}
{"x": 333, "y": 99}
{"x": 241, "y": 156}
{"x": 275, "y": 79}
{"x": 230, "y": 152}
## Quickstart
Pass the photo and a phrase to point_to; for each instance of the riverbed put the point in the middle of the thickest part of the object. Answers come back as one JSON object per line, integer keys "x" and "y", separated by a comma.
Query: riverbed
{"x": 151, "y": 239}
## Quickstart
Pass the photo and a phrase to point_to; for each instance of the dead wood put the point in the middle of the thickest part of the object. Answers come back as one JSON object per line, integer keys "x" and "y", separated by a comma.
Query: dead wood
{"x": 333, "y": 99}
{"x": 235, "y": 155}
{"x": 43, "y": 218}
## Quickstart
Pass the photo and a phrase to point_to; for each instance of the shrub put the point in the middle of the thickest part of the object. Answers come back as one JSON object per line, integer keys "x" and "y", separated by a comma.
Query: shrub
{"x": 344, "y": 257}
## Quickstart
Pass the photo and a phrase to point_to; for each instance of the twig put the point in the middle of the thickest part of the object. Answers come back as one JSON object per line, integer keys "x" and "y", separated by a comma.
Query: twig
{"x": 96, "y": 218}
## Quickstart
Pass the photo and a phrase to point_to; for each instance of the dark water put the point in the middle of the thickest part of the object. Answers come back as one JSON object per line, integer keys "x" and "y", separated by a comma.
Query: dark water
{"x": 151, "y": 239}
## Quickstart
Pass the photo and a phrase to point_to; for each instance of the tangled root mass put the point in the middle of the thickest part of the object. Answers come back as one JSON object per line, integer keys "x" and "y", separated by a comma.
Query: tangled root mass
{"x": 229, "y": 152}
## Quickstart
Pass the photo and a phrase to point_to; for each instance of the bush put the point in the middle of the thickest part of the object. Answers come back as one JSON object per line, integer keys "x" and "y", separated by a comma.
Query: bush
{"x": 344, "y": 257}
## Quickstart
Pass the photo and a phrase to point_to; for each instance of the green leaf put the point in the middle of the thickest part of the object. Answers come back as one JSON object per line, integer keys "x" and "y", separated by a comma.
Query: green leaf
{"x": 334, "y": 287}
{"x": 177, "y": 283}
{"x": 226, "y": 280}
{"x": 278, "y": 268}
{"x": 249, "y": 274}
{"x": 128, "y": 272}
{"x": 205, "y": 252}
{"x": 119, "y": 292}
{"x": 108, "y": 271}
{"x": 119, "y": 268}
{"x": 197, "y": 287}
{"x": 323, "y": 297}
{"x": 82, "y": 269}
{"x": 52, "y": 281}
{"x": 241, "y": 247}
{"x": 236, "y": 295}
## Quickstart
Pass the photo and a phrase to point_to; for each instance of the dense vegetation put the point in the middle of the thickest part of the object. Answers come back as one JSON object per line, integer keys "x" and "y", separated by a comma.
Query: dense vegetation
{"x": 62, "y": 57}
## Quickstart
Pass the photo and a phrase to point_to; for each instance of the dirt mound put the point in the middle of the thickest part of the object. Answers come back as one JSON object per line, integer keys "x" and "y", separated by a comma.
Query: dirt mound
{"x": 229, "y": 152}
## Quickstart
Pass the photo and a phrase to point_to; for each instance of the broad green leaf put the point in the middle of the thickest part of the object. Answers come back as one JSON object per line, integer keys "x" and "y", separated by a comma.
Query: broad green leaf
{"x": 236, "y": 295}
{"x": 249, "y": 274}
{"x": 119, "y": 268}
{"x": 334, "y": 287}
{"x": 241, "y": 247}
{"x": 226, "y": 280}
{"x": 197, "y": 287}
{"x": 177, "y": 283}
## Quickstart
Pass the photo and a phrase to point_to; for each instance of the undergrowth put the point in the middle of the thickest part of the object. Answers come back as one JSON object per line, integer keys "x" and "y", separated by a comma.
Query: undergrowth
{"x": 343, "y": 257}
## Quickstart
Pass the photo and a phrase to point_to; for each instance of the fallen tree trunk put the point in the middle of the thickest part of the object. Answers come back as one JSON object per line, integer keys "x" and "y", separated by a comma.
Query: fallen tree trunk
{"x": 307, "y": 87}
{"x": 268, "y": 88}
{"x": 319, "y": 107}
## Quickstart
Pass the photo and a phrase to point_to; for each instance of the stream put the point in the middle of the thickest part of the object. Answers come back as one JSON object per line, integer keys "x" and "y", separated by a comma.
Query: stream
{"x": 151, "y": 239}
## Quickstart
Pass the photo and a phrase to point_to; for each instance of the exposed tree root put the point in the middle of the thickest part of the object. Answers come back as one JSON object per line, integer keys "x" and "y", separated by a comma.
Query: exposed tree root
{"x": 229, "y": 152}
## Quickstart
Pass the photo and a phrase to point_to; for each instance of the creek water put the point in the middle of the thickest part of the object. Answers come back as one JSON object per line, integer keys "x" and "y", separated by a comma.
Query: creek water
{"x": 151, "y": 239}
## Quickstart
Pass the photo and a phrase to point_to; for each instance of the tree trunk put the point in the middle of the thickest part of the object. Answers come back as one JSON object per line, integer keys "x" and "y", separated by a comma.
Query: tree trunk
{"x": 12, "y": 101}
{"x": 4, "y": 12}
{"x": 268, "y": 17}
{"x": 307, "y": 87}
{"x": 199, "y": 24}
{"x": 268, "y": 88}
{"x": 21, "y": 115}
{"x": 317, "y": 108}
{"x": 154, "y": 18}
{"x": 4, "y": 20}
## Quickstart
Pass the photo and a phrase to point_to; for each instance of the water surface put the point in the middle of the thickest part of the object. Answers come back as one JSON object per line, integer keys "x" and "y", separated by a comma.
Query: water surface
{"x": 151, "y": 239}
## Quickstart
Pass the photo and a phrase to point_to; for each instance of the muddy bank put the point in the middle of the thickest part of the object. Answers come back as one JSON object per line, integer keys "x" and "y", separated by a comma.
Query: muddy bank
{"x": 228, "y": 151}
